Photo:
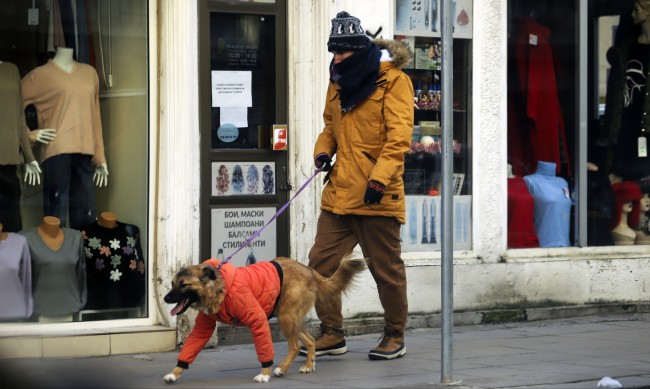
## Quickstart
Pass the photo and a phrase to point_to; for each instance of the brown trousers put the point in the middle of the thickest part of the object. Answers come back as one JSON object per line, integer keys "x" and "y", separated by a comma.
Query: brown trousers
{"x": 379, "y": 238}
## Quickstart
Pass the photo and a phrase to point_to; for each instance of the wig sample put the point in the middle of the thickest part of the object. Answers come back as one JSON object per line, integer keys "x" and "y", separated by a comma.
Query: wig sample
{"x": 624, "y": 192}
{"x": 252, "y": 179}
{"x": 223, "y": 180}
{"x": 267, "y": 179}
{"x": 237, "y": 179}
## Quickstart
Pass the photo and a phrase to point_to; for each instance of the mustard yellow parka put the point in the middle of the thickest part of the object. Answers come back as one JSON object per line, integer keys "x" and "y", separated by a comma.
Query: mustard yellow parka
{"x": 370, "y": 141}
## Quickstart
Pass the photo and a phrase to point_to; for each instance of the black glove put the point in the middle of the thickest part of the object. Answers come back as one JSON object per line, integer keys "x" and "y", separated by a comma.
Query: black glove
{"x": 374, "y": 192}
{"x": 323, "y": 162}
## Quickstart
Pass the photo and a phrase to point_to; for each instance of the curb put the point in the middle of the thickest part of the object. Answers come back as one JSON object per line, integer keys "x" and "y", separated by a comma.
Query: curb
{"x": 233, "y": 335}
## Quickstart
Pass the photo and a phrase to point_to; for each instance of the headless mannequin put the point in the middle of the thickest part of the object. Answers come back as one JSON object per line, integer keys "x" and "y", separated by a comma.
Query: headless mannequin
{"x": 107, "y": 220}
{"x": 623, "y": 234}
{"x": 63, "y": 59}
{"x": 51, "y": 233}
{"x": 552, "y": 210}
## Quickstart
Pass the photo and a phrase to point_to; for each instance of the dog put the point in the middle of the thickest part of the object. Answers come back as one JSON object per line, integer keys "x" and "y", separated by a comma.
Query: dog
{"x": 249, "y": 296}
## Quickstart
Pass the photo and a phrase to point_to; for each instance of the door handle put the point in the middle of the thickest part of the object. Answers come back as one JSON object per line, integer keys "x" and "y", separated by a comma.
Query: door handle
{"x": 286, "y": 187}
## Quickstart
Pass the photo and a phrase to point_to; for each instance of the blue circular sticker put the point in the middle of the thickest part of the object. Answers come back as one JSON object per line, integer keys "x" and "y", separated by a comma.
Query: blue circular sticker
{"x": 227, "y": 132}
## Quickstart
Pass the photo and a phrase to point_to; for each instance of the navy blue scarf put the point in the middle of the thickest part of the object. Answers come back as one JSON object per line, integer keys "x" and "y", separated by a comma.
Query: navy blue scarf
{"x": 356, "y": 75}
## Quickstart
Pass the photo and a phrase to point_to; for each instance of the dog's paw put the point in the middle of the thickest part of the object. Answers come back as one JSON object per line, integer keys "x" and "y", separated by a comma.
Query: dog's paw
{"x": 262, "y": 378}
{"x": 278, "y": 372}
{"x": 170, "y": 378}
{"x": 305, "y": 369}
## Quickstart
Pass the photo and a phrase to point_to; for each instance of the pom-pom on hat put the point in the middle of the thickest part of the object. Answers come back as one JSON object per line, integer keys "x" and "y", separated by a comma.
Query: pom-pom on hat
{"x": 347, "y": 34}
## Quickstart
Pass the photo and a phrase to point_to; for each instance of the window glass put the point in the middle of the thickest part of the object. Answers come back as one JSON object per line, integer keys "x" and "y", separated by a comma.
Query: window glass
{"x": 621, "y": 138}
{"x": 418, "y": 24}
{"x": 242, "y": 65}
{"x": 73, "y": 160}
{"x": 543, "y": 123}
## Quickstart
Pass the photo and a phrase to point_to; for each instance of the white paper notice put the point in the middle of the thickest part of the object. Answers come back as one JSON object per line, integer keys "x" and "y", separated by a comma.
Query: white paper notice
{"x": 231, "y": 88}
{"x": 237, "y": 116}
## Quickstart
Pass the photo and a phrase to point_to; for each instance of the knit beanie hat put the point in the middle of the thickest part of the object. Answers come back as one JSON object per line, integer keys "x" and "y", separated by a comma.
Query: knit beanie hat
{"x": 347, "y": 34}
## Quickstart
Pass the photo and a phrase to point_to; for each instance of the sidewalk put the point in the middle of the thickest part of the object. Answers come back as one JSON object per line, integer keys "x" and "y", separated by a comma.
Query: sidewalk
{"x": 568, "y": 353}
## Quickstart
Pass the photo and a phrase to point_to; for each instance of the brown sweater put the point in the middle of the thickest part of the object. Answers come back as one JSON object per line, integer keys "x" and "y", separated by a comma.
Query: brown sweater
{"x": 68, "y": 103}
{"x": 13, "y": 130}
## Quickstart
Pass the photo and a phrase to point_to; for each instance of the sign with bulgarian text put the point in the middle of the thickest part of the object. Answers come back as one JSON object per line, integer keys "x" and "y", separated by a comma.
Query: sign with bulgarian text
{"x": 231, "y": 227}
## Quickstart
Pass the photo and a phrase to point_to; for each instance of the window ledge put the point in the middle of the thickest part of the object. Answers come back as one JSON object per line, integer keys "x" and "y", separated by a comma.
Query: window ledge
{"x": 575, "y": 253}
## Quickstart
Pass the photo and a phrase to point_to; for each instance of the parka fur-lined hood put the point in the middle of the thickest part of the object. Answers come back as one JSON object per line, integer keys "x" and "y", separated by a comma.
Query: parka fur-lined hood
{"x": 399, "y": 51}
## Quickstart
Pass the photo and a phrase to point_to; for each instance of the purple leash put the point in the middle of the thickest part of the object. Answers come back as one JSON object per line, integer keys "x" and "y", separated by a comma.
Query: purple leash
{"x": 258, "y": 232}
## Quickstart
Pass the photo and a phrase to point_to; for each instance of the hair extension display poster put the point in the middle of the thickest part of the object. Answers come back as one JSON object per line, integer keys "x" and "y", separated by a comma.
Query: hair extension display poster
{"x": 231, "y": 227}
{"x": 243, "y": 178}
{"x": 423, "y": 228}
{"x": 423, "y": 18}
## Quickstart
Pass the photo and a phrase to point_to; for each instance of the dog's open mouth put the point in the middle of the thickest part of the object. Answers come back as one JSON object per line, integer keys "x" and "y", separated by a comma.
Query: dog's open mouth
{"x": 181, "y": 307}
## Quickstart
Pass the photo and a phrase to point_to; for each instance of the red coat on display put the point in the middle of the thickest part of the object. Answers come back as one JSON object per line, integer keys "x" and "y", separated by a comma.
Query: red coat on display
{"x": 537, "y": 133}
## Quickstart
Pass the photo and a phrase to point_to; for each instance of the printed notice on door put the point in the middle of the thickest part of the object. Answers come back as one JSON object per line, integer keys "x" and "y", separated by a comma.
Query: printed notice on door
{"x": 231, "y": 227}
{"x": 231, "y": 88}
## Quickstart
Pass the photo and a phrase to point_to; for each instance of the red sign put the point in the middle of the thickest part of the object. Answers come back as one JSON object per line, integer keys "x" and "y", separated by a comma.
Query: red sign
{"x": 279, "y": 137}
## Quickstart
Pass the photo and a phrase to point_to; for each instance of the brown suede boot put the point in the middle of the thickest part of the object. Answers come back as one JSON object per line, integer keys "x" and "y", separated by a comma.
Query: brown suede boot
{"x": 390, "y": 347}
{"x": 331, "y": 341}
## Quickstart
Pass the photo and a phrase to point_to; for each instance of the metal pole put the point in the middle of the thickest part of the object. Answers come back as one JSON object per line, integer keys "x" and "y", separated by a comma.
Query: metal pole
{"x": 580, "y": 169}
{"x": 447, "y": 311}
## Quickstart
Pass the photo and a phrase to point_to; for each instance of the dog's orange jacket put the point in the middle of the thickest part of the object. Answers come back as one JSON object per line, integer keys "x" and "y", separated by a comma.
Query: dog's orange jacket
{"x": 250, "y": 296}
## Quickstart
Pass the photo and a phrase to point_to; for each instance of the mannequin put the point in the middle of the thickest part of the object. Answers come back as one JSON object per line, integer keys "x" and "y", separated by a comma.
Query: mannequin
{"x": 16, "y": 302}
{"x": 115, "y": 264}
{"x": 58, "y": 270}
{"x": 107, "y": 220}
{"x": 626, "y": 103}
{"x": 66, "y": 96}
{"x": 552, "y": 215}
{"x": 643, "y": 229}
{"x": 63, "y": 59}
{"x": 14, "y": 141}
{"x": 622, "y": 233}
{"x": 51, "y": 232}
{"x": 627, "y": 196}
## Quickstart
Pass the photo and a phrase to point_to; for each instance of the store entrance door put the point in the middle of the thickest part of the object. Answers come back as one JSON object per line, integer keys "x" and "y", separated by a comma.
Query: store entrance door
{"x": 244, "y": 115}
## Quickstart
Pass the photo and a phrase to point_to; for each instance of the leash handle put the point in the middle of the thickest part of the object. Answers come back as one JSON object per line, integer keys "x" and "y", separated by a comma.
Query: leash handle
{"x": 278, "y": 213}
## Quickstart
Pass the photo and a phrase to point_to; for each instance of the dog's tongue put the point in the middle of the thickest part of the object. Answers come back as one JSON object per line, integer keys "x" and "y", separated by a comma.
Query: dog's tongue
{"x": 178, "y": 308}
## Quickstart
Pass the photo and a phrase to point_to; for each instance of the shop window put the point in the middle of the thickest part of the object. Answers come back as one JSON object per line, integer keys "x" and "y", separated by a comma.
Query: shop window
{"x": 544, "y": 135}
{"x": 418, "y": 23}
{"x": 242, "y": 60}
{"x": 73, "y": 160}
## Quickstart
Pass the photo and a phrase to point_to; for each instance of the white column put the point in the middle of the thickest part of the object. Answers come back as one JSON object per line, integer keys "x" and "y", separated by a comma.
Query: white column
{"x": 177, "y": 218}
{"x": 489, "y": 128}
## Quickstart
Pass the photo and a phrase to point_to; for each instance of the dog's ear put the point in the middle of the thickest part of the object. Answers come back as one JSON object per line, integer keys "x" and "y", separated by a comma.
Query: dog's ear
{"x": 209, "y": 273}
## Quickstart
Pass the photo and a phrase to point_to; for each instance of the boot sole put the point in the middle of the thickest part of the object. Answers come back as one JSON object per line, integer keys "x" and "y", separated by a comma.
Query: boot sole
{"x": 319, "y": 353}
{"x": 379, "y": 356}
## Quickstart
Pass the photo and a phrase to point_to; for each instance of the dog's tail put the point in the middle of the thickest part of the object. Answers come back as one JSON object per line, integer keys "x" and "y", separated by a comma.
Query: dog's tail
{"x": 341, "y": 280}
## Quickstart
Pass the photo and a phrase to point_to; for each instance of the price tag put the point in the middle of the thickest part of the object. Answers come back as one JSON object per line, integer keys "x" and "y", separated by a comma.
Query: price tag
{"x": 32, "y": 17}
{"x": 642, "y": 146}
